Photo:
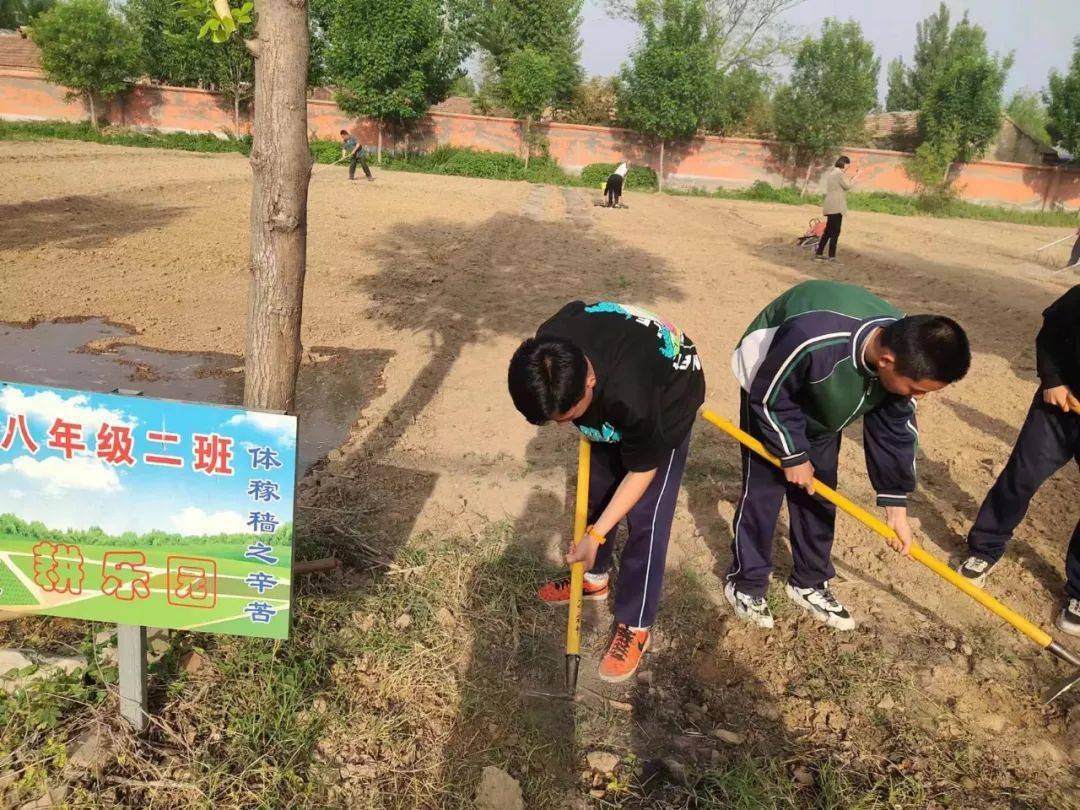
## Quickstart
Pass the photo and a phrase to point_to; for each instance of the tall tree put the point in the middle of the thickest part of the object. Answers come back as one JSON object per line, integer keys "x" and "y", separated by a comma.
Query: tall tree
{"x": 964, "y": 101}
{"x": 1029, "y": 113}
{"x": 281, "y": 167}
{"x": 169, "y": 45}
{"x": 931, "y": 46}
{"x": 741, "y": 105}
{"x": 1063, "y": 105}
{"x": 529, "y": 84}
{"x": 833, "y": 86}
{"x": 17, "y": 13}
{"x": 88, "y": 48}
{"x": 740, "y": 32}
{"x": 173, "y": 53}
{"x": 900, "y": 95}
{"x": 667, "y": 90}
{"x": 391, "y": 60}
{"x": 550, "y": 27}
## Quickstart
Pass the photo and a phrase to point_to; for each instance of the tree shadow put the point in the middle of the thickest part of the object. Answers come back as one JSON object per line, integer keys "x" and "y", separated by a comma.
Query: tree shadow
{"x": 78, "y": 222}
{"x": 641, "y": 150}
{"x": 714, "y": 474}
{"x": 458, "y": 286}
{"x": 1057, "y": 187}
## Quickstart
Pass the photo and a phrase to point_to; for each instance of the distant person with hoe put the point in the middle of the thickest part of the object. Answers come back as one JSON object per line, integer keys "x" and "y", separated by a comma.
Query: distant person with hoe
{"x": 351, "y": 148}
{"x": 834, "y": 207}
{"x": 614, "y": 187}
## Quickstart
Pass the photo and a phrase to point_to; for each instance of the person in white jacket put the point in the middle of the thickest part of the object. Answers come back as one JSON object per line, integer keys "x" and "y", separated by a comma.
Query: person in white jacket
{"x": 614, "y": 187}
{"x": 834, "y": 207}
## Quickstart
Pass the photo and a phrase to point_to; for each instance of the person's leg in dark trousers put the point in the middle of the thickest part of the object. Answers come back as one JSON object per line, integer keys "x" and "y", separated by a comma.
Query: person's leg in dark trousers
{"x": 641, "y": 565}
{"x": 813, "y": 520}
{"x": 352, "y": 167}
{"x": 606, "y": 472}
{"x": 831, "y": 235}
{"x": 755, "y": 519}
{"x": 1047, "y": 441}
{"x": 364, "y": 165}
{"x": 1074, "y": 257}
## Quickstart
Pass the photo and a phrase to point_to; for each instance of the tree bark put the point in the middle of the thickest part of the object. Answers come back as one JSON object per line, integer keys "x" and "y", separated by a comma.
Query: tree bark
{"x": 236, "y": 115}
{"x": 281, "y": 168}
{"x": 528, "y": 143}
{"x": 660, "y": 177}
{"x": 378, "y": 147}
{"x": 806, "y": 179}
{"x": 93, "y": 113}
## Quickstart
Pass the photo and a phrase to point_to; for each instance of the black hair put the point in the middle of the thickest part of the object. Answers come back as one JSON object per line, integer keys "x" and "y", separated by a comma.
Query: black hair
{"x": 344, "y": 132}
{"x": 928, "y": 347}
{"x": 842, "y": 161}
{"x": 547, "y": 377}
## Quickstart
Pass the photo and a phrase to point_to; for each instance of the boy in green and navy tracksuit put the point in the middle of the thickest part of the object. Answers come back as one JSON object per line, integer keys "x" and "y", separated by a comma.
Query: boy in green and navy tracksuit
{"x": 812, "y": 362}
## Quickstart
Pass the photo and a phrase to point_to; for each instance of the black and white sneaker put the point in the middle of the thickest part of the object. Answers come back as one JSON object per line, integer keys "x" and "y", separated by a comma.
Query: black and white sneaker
{"x": 822, "y": 605}
{"x": 753, "y": 609}
{"x": 975, "y": 570}
{"x": 1068, "y": 621}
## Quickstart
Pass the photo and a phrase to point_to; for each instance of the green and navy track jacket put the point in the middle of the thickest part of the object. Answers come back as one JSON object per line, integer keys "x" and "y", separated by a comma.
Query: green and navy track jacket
{"x": 801, "y": 365}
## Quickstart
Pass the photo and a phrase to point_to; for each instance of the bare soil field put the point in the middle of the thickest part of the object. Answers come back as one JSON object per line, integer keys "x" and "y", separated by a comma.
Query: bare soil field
{"x": 434, "y": 280}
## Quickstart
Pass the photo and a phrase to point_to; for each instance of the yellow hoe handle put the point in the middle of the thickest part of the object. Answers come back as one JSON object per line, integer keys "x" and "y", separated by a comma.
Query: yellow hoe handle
{"x": 919, "y": 554}
{"x": 577, "y": 570}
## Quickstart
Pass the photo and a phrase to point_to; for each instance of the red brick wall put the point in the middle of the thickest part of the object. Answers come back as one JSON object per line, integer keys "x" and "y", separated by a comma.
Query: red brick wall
{"x": 706, "y": 162}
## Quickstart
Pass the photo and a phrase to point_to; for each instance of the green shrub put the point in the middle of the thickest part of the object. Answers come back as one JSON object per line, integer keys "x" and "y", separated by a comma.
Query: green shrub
{"x": 764, "y": 192}
{"x": 325, "y": 151}
{"x": 639, "y": 177}
{"x": 115, "y": 136}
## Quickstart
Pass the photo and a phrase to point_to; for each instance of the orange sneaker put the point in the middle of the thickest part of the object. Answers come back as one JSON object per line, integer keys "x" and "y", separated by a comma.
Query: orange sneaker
{"x": 557, "y": 592}
{"x": 623, "y": 656}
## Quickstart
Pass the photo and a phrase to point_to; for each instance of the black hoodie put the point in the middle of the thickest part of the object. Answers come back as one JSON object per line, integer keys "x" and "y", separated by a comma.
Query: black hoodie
{"x": 1057, "y": 348}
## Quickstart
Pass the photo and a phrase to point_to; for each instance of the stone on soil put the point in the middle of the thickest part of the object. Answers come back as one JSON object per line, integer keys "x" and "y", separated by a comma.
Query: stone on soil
{"x": 498, "y": 790}
{"x": 602, "y": 761}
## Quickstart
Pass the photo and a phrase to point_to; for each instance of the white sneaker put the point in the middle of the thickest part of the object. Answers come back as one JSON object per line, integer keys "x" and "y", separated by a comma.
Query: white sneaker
{"x": 749, "y": 608}
{"x": 975, "y": 570}
{"x": 1068, "y": 621}
{"x": 822, "y": 605}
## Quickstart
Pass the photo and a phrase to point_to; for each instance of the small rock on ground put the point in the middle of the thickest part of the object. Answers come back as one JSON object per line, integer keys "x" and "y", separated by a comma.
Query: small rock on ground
{"x": 725, "y": 735}
{"x": 13, "y": 659}
{"x": 91, "y": 750}
{"x": 602, "y": 761}
{"x": 498, "y": 790}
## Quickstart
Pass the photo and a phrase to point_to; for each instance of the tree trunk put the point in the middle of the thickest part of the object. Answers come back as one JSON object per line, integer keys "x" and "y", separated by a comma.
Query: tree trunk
{"x": 806, "y": 179}
{"x": 93, "y": 113}
{"x": 236, "y": 116}
{"x": 378, "y": 147}
{"x": 660, "y": 177}
{"x": 281, "y": 166}
{"x": 528, "y": 143}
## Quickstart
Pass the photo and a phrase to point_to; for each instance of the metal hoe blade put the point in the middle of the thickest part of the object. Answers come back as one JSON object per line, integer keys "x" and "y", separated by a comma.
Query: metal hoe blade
{"x": 1063, "y": 686}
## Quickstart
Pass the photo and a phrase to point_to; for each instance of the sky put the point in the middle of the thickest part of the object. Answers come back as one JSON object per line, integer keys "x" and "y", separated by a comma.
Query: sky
{"x": 79, "y": 489}
{"x": 1039, "y": 31}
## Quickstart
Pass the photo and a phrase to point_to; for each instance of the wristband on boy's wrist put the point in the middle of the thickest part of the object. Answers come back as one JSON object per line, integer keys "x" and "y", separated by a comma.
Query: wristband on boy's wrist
{"x": 600, "y": 539}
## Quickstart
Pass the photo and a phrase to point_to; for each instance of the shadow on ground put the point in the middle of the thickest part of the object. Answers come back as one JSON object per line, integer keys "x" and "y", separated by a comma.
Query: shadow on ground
{"x": 79, "y": 222}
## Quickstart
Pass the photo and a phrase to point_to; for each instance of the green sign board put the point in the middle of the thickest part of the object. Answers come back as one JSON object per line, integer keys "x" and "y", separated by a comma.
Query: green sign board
{"x": 145, "y": 511}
